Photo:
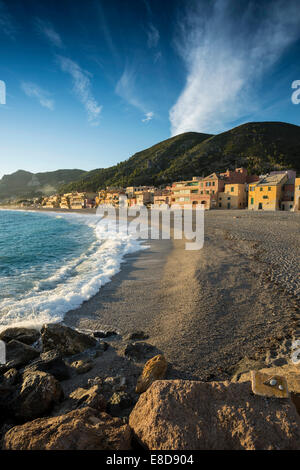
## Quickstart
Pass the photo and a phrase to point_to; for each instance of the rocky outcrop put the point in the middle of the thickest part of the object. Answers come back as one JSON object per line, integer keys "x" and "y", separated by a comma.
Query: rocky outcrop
{"x": 83, "y": 429}
{"x": 155, "y": 369}
{"x": 190, "y": 415}
{"x": 18, "y": 355}
{"x": 38, "y": 392}
{"x": 24, "y": 335}
{"x": 65, "y": 340}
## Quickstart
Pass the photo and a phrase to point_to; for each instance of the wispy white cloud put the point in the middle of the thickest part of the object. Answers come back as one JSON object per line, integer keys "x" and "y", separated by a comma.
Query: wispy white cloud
{"x": 153, "y": 36}
{"x": 34, "y": 91}
{"x": 126, "y": 89}
{"x": 82, "y": 88}
{"x": 226, "y": 53}
{"x": 148, "y": 117}
{"x": 46, "y": 29}
{"x": 7, "y": 24}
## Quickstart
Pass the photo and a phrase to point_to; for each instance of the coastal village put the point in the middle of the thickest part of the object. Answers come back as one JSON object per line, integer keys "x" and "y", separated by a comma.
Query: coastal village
{"x": 234, "y": 189}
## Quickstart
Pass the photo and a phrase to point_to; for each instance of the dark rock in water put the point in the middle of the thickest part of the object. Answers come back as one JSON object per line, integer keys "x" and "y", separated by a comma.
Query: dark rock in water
{"x": 136, "y": 336}
{"x": 24, "y": 335}
{"x": 53, "y": 364}
{"x": 84, "y": 429}
{"x": 18, "y": 355}
{"x": 118, "y": 402}
{"x": 140, "y": 351}
{"x": 65, "y": 340}
{"x": 104, "y": 334}
{"x": 81, "y": 398}
{"x": 37, "y": 394}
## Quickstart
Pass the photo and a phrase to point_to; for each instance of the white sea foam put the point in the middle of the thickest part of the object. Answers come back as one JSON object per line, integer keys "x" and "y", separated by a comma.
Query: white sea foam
{"x": 74, "y": 283}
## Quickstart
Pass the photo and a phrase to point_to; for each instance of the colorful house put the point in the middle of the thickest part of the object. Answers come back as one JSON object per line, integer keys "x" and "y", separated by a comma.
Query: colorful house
{"x": 297, "y": 195}
{"x": 233, "y": 197}
{"x": 267, "y": 193}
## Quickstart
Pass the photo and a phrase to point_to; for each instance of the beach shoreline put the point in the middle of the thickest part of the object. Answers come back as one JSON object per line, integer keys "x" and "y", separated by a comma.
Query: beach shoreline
{"x": 205, "y": 310}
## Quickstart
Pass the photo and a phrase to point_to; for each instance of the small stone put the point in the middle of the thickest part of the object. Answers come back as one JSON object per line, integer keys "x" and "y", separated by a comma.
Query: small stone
{"x": 81, "y": 366}
{"x": 273, "y": 382}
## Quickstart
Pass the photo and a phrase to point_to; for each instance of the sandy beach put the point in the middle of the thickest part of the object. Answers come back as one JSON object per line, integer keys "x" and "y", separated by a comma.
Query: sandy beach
{"x": 205, "y": 310}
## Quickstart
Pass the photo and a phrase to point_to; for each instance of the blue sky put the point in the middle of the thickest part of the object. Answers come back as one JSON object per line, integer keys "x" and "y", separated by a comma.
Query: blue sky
{"x": 90, "y": 83}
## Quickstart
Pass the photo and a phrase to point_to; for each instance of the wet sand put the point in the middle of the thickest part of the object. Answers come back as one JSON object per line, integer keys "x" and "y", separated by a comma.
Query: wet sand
{"x": 208, "y": 309}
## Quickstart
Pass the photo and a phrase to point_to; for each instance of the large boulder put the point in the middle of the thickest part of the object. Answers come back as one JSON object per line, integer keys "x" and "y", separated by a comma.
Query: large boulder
{"x": 65, "y": 340}
{"x": 37, "y": 394}
{"x": 155, "y": 369}
{"x": 190, "y": 415}
{"x": 83, "y": 429}
{"x": 18, "y": 355}
{"x": 24, "y": 335}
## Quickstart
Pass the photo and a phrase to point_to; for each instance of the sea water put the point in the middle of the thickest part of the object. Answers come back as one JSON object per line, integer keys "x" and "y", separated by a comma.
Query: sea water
{"x": 51, "y": 263}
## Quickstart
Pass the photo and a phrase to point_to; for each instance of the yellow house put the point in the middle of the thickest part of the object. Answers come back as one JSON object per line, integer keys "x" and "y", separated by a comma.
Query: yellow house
{"x": 266, "y": 193}
{"x": 233, "y": 197}
{"x": 65, "y": 201}
{"x": 297, "y": 195}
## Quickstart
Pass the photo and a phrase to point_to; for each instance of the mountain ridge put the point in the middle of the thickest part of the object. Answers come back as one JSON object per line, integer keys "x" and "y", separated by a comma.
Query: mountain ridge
{"x": 258, "y": 146}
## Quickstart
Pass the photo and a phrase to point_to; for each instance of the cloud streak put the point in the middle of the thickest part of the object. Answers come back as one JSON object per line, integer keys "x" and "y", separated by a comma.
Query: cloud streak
{"x": 46, "y": 29}
{"x": 226, "y": 50}
{"x": 153, "y": 36}
{"x": 34, "y": 91}
{"x": 82, "y": 88}
{"x": 126, "y": 89}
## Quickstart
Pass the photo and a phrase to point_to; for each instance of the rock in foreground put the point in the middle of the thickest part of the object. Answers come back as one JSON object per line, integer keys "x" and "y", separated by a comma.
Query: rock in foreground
{"x": 83, "y": 429}
{"x": 190, "y": 415}
{"x": 24, "y": 335}
{"x": 65, "y": 340}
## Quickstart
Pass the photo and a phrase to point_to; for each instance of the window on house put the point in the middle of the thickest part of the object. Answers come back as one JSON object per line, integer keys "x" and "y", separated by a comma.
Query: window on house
{"x": 269, "y": 188}
{"x": 232, "y": 189}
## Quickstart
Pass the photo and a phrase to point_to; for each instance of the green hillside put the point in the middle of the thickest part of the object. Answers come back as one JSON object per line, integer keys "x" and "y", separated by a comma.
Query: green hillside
{"x": 25, "y": 184}
{"x": 258, "y": 146}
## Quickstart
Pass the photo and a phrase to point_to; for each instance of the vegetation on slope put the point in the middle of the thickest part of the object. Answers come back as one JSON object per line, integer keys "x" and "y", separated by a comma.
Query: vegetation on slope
{"x": 258, "y": 146}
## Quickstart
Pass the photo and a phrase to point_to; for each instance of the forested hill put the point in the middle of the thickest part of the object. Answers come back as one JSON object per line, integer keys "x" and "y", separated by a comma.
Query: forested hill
{"x": 258, "y": 146}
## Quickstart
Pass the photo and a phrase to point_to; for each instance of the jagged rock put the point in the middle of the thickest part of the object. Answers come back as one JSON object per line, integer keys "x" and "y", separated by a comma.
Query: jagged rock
{"x": 65, "y": 340}
{"x": 52, "y": 364}
{"x": 190, "y": 415}
{"x": 24, "y": 335}
{"x": 81, "y": 366}
{"x": 140, "y": 351}
{"x": 83, "y": 429}
{"x": 136, "y": 336}
{"x": 119, "y": 401}
{"x": 81, "y": 398}
{"x": 155, "y": 369}
{"x": 38, "y": 392}
{"x": 18, "y": 355}
{"x": 290, "y": 372}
